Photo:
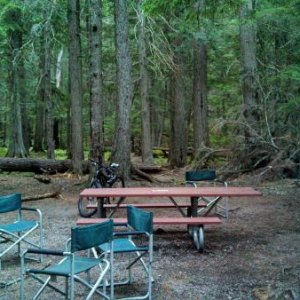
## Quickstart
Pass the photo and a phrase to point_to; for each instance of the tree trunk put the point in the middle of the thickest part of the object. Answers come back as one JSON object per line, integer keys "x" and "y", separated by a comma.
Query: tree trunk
{"x": 75, "y": 75}
{"x": 47, "y": 92}
{"x": 147, "y": 156}
{"x": 159, "y": 111}
{"x": 121, "y": 148}
{"x": 200, "y": 105}
{"x": 58, "y": 68}
{"x": 248, "y": 55}
{"x": 39, "y": 119}
{"x": 178, "y": 136}
{"x": 16, "y": 146}
{"x": 96, "y": 99}
{"x": 26, "y": 128}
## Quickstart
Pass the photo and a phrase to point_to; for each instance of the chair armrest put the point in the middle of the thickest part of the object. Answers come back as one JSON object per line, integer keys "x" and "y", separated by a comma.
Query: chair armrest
{"x": 29, "y": 208}
{"x": 36, "y": 210}
{"x": 120, "y": 224}
{"x": 45, "y": 251}
{"x": 127, "y": 233}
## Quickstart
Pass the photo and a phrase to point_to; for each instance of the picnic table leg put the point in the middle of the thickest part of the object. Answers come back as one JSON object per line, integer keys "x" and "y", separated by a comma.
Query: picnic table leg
{"x": 101, "y": 209}
{"x": 194, "y": 207}
{"x": 197, "y": 232}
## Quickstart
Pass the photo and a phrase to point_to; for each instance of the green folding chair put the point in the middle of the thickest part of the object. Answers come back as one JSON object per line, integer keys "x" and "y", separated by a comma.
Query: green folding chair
{"x": 137, "y": 239}
{"x": 76, "y": 260}
{"x": 22, "y": 222}
{"x": 208, "y": 178}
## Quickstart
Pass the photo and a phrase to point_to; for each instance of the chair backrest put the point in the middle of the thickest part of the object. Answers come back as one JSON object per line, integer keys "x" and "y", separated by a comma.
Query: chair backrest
{"x": 200, "y": 175}
{"x": 88, "y": 236}
{"x": 10, "y": 202}
{"x": 139, "y": 219}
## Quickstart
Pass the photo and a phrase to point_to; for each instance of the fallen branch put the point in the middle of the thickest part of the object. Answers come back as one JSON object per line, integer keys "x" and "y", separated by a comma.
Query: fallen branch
{"x": 42, "y": 178}
{"x": 149, "y": 169}
{"x": 141, "y": 174}
{"x": 55, "y": 194}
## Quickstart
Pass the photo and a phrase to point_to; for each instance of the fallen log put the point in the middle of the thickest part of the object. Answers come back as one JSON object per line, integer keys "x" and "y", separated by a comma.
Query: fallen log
{"x": 149, "y": 169}
{"x": 39, "y": 166}
{"x": 52, "y": 166}
{"x": 135, "y": 171}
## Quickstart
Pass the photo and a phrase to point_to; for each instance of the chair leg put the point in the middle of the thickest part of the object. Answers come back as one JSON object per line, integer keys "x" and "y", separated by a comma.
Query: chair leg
{"x": 22, "y": 278}
{"x": 42, "y": 288}
{"x": 41, "y": 240}
{"x": 19, "y": 245}
{"x": 16, "y": 240}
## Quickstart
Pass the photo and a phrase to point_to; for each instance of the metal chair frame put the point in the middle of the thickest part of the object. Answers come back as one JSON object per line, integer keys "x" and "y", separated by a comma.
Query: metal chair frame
{"x": 140, "y": 223}
{"x": 76, "y": 260}
{"x": 18, "y": 231}
{"x": 211, "y": 203}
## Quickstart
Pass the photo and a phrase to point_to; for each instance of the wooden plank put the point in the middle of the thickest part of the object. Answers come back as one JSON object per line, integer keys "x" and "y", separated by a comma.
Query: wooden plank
{"x": 171, "y": 192}
{"x": 158, "y": 221}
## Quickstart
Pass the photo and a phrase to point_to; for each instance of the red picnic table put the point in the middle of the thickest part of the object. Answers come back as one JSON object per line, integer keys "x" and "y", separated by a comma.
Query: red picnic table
{"x": 195, "y": 223}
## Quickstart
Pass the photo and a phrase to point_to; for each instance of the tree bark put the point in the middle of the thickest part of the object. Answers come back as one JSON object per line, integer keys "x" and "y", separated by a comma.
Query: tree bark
{"x": 96, "y": 99}
{"x": 75, "y": 75}
{"x": 159, "y": 111}
{"x": 200, "y": 105}
{"x": 249, "y": 64}
{"x": 47, "y": 92}
{"x": 26, "y": 128}
{"x": 39, "y": 119}
{"x": 121, "y": 147}
{"x": 16, "y": 146}
{"x": 147, "y": 156}
{"x": 178, "y": 132}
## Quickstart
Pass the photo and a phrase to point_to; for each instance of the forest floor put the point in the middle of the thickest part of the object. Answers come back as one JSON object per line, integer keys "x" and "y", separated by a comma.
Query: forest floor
{"x": 254, "y": 254}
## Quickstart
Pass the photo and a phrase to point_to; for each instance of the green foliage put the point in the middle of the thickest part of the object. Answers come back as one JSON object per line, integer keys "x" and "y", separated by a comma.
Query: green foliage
{"x": 171, "y": 27}
{"x": 159, "y": 158}
{"x": 11, "y": 16}
{"x": 291, "y": 73}
{"x": 60, "y": 154}
{"x": 290, "y": 112}
{"x": 3, "y": 151}
{"x": 291, "y": 107}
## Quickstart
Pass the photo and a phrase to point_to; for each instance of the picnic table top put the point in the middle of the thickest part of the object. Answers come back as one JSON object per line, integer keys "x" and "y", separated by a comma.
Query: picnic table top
{"x": 170, "y": 192}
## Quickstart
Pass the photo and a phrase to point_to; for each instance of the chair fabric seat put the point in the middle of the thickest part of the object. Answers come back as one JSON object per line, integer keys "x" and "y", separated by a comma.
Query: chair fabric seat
{"x": 18, "y": 226}
{"x": 81, "y": 264}
{"x": 123, "y": 245}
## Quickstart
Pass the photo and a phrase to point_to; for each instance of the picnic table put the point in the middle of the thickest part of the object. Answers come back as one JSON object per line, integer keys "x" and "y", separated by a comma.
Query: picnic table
{"x": 195, "y": 223}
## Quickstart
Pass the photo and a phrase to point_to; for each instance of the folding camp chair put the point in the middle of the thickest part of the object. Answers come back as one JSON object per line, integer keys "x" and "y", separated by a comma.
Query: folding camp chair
{"x": 139, "y": 226}
{"x": 17, "y": 231}
{"x": 208, "y": 177}
{"x": 76, "y": 260}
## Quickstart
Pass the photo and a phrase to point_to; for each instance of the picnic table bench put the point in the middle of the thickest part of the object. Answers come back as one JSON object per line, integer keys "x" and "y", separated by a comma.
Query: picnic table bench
{"x": 149, "y": 205}
{"x": 195, "y": 223}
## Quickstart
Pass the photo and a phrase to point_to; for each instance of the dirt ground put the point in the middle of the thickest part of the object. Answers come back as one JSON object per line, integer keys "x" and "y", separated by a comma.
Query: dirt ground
{"x": 254, "y": 254}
